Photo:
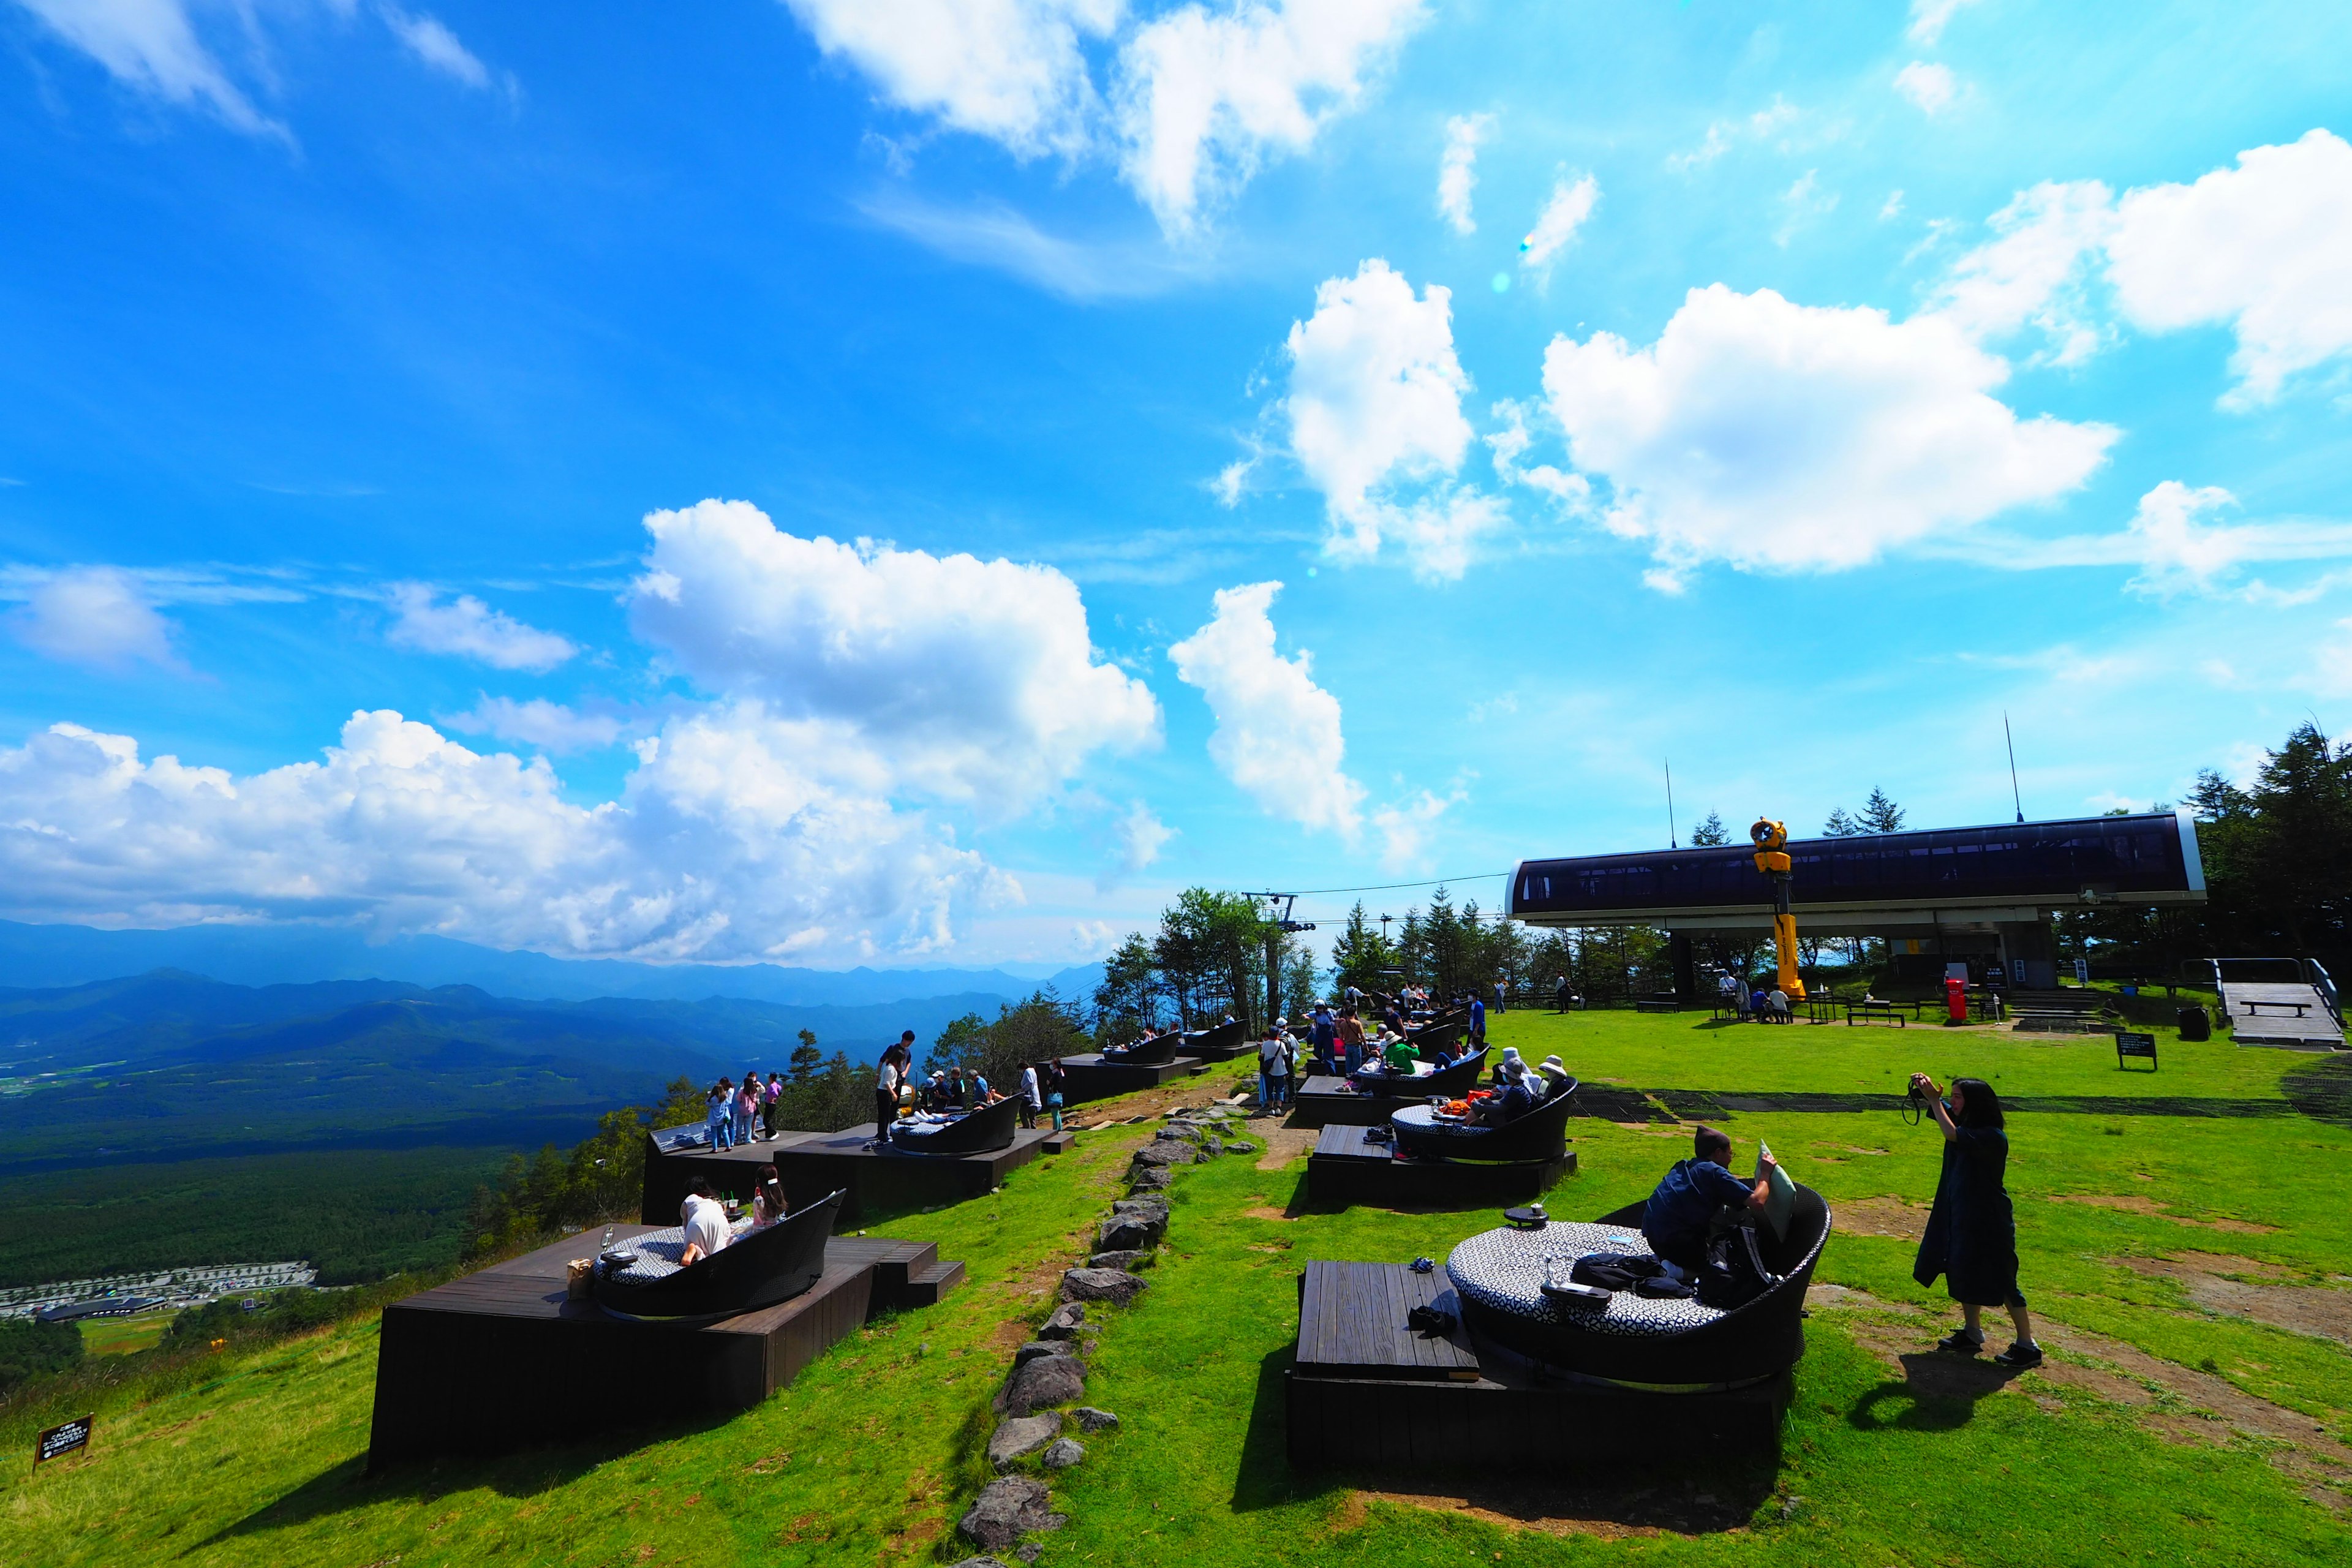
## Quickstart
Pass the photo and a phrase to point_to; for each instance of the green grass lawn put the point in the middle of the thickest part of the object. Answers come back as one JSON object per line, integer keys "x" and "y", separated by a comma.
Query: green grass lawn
{"x": 123, "y": 1336}
{"x": 875, "y": 1451}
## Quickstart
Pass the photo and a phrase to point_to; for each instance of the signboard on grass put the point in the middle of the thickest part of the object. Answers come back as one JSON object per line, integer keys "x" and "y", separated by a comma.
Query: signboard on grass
{"x": 63, "y": 1439}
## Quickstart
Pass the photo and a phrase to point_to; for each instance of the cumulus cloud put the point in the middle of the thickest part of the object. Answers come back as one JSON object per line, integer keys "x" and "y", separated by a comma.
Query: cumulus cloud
{"x": 1929, "y": 18}
{"x": 1458, "y": 170}
{"x": 550, "y": 726}
{"x": 1204, "y": 96}
{"x": 1375, "y": 414}
{"x": 1198, "y": 95}
{"x": 2034, "y": 271}
{"x": 1011, "y": 70}
{"x": 960, "y": 679}
{"x": 721, "y": 847}
{"x": 2177, "y": 546}
{"x": 466, "y": 627}
{"x": 2261, "y": 248}
{"x": 97, "y": 617}
{"x": 1790, "y": 437}
{"x": 1932, "y": 88}
{"x": 1137, "y": 838}
{"x": 1556, "y": 226}
{"x": 1277, "y": 735}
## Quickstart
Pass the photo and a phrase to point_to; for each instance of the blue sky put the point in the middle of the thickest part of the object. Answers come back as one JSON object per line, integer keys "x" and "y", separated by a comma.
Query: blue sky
{"x": 1785, "y": 390}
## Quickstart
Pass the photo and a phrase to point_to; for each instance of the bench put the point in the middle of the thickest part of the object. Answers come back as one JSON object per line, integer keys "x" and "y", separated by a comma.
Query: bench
{"x": 1875, "y": 1012}
{"x": 2131, "y": 1045}
{"x": 2078, "y": 1011}
{"x": 1658, "y": 1005}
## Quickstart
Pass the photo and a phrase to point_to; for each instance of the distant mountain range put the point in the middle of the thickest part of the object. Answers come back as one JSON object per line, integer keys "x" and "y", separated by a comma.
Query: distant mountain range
{"x": 55, "y": 955}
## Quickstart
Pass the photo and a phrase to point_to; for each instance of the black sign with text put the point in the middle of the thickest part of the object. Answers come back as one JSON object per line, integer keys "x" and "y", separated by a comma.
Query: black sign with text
{"x": 2131, "y": 1045}
{"x": 65, "y": 1438}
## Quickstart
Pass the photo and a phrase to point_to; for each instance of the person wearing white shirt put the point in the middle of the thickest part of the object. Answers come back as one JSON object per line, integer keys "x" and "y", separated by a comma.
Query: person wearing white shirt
{"x": 1032, "y": 1099}
{"x": 705, "y": 1222}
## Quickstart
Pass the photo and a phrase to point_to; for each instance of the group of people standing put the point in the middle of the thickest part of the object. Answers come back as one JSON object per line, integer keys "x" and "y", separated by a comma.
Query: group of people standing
{"x": 737, "y": 1111}
{"x": 897, "y": 1088}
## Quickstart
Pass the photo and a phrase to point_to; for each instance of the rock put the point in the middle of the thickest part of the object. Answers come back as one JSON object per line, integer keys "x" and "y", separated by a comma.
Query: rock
{"x": 1151, "y": 1178}
{"x": 1130, "y": 1259}
{"x": 1125, "y": 1232}
{"x": 1178, "y": 1132}
{"x": 1030, "y": 1552}
{"x": 1063, "y": 1454}
{"x": 1101, "y": 1285}
{"x": 981, "y": 1562}
{"x": 1036, "y": 1348}
{"x": 1063, "y": 1323}
{"x": 1212, "y": 1146}
{"x": 1241, "y": 1146}
{"x": 1150, "y": 1204}
{"x": 1090, "y": 1419}
{"x": 1016, "y": 1439}
{"x": 1164, "y": 1151}
{"x": 1045, "y": 1381}
{"x": 1007, "y": 1510}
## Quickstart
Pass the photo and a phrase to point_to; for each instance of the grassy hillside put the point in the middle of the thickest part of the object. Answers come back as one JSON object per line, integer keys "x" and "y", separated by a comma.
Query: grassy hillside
{"x": 2174, "y": 1421}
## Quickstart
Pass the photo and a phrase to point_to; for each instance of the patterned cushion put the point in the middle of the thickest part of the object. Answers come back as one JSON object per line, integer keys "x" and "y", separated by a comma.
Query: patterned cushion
{"x": 658, "y": 1252}
{"x": 1503, "y": 1271}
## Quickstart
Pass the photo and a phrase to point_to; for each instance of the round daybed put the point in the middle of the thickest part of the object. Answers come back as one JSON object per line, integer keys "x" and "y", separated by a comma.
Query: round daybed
{"x": 642, "y": 1279}
{"x": 1221, "y": 1037}
{"x": 1443, "y": 1031}
{"x": 1452, "y": 1080}
{"x": 964, "y": 1132}
{"x": 1541, "y": 1134}
{"x": 1674, "y": 1346}
{"x": 1151, "y": 1053}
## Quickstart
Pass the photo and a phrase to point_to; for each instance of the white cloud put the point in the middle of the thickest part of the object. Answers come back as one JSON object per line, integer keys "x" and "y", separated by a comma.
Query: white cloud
{"x": 2331, "y": 674}
{"x": 1376, "y": 421}
{"x": 1790, "y": 437}
{"x": 97, "y": 617}
{"x": 1556, "y": 226}
{"x": 993, "y": 235}
{"x": 151, "y": 47}
{"x": 1458, "y": 170}
{"x": 550, "y": 726}
{"x": 1893, "y": 208}
{"x": 1510, "y": 445}
{"x": 1932, "y": 88}
{"x": 468, "y": 629}
{"x": 721, "y": 847}
{"x": 1011, "y": 70}
{"x": 2262, "y": 248}
{"x": 1803, "y": 201}
{"x": 429, "y": 38}
{"x": 2177, "y": 548}
{"x": 1204, "y": 96}
{"x": 1277, "y": 735}
{"x": 2034, "y": 270}
{"x": 1929, "y": 18}
{"x": 1722, "y": 134}
{"x": 960, "y": 679}
{"x": 1136, "y": 839}
{"x": 1405, "y": 830}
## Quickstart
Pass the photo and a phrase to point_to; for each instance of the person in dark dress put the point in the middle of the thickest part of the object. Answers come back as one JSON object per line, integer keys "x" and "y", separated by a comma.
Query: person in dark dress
{"x": 1971, "y": 1238}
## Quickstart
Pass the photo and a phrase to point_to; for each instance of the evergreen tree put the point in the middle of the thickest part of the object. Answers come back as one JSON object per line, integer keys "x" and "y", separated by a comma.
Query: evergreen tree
{"x": 1880, "y": 814}
{"x": 1128, "y": 998}
{"x": 805, "y": 1057}
{"x": 1839, "y": 825}
{"x": 1359, "y": 953}
{"x": 1711, "y": 832}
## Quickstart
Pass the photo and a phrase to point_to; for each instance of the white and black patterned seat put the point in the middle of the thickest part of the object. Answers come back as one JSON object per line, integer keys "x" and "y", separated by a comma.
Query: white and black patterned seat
{"x": 1503, "y": 1271}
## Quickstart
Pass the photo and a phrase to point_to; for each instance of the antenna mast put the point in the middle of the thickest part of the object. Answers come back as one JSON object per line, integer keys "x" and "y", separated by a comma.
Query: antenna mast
{"x": 2018, "y": 800}
{"x": 1672, "y": 841}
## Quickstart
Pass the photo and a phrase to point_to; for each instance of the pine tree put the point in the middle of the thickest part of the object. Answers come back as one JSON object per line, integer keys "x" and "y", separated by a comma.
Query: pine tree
{"x": 1707, "y": 835}
{"x": 1839, "y": 825}
{"x": 1880, "y": 814}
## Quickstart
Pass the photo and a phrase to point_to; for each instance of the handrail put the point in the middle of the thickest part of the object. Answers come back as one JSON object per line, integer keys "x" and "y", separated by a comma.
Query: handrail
{"x": 2326, "y": 989}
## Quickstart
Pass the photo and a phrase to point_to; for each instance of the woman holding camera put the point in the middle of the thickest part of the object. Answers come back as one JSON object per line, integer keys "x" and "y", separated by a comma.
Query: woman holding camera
{"x": 1972, "y": 1238}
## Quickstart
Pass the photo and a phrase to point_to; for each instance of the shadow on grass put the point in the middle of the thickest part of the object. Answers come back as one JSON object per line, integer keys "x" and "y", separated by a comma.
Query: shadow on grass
{"x": 1264, "y": 1478}
{"x": 1939, "y": 1393}
{"x": 526, "y": 1474}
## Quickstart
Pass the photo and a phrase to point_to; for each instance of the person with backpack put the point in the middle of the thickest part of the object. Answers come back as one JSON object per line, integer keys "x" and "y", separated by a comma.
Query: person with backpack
{"x": 1971, "y": 1235}
{"x": 1055, "y": 1081}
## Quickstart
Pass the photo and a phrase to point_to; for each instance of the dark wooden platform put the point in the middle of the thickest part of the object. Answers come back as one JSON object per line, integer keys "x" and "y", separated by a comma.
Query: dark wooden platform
{"x": 1089, "y": 1076}
{"x": 811, "y": 1164}
{"x": 1323, "y": 1102}
{"x": 1346, "y": 1168}
{"x": 1369, "y": 1395}
{"x": 502, "y": 1358}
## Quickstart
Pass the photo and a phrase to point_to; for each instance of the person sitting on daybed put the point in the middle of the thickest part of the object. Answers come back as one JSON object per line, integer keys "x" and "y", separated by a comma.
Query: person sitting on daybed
{"x": 766, "y": 1199}
{"x": 1682, "y": 1210}
{"x": 705, "y": 1222}
{"x": 1514, "y": 1096}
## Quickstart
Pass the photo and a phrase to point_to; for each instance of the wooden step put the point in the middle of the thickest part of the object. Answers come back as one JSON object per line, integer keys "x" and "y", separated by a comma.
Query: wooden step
{"x": 932, "y": 1280}
{"x": 1060, "y": 1142}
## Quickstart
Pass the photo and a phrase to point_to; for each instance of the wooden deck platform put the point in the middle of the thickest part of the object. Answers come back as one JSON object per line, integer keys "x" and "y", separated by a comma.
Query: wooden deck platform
{"x": 2271, "y": 1012}
{"x": 812, "y": 1165}
{"x": 1346, "y": 1168}
{"x": 1322, "y": 1101}
{"x": 1089, "y": 1076}
{"x": 502, "y": 1358}
{"x": 1367, "y": 1393}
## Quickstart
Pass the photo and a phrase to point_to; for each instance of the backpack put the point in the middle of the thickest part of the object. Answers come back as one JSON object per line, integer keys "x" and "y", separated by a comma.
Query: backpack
{"x": 1734, "y": 1274}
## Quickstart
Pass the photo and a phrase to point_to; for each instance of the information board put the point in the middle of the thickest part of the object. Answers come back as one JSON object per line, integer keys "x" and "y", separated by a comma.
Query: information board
{"x": 63, "y": 1439}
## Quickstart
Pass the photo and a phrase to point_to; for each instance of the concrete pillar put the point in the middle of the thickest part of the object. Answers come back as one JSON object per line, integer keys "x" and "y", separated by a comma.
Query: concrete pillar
{"x": 2030, "y": 952}
{"x": 1686, "y": 964}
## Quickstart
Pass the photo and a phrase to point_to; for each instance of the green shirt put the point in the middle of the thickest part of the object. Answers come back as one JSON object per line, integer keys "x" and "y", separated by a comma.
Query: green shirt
{"x": 1402, "y": 1056}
